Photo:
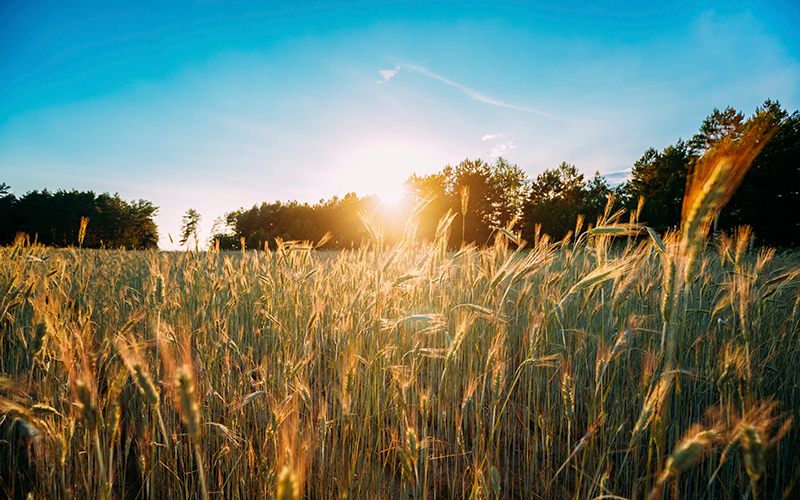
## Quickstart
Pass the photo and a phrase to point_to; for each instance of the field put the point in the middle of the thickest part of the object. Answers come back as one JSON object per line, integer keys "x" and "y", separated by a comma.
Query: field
{"x": 607, "y": 366}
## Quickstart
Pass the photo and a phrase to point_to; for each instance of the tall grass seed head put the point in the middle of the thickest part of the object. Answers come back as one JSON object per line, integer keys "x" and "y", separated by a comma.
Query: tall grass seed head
{"x": 494, "y": 481}
{"x": 145, "y": 384}
{"x": 114, "y": 414}
{"x": 568, "y": 394}
{"x": 411, "y": 443}
{"x": 753, "y": 452}
{"x": 651, "y": 405}
{"x": 668, "y": 289}
{"x": 714, "y": 179}
{"x": 189, "y": 408}
{"x": 689, "y": 450}
{"x": 498, "y": 381}
{"x": 82, "y": 230}
{"x": 40, "y": 333}
{"x": 160, "y": 295}
{"x": 288, "y": 487}
{"x": 44, "y": 410}
{"x": 86, "y": 405}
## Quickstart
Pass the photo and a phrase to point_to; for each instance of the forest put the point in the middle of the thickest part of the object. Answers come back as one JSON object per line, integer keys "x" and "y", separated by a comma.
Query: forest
{"x": 67, "y": 218}
{"x": 482, "y": 197}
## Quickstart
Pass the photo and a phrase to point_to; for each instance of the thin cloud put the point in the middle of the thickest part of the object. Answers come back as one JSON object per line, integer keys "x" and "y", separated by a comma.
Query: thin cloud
{"x": 619, "y": 176}
{"x": 387, "y": 74}
{"x": 491, "y": 136}
{"x": 474, "y": 94}
{"x": 502, "y": 149}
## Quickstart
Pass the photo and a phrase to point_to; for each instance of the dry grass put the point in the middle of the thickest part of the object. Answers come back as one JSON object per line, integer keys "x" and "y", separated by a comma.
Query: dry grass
{"x": 406, "y": 373}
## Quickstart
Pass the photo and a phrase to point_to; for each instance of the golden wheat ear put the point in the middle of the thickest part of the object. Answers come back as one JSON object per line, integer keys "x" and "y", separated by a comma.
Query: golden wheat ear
{"x": 714, "y": 179}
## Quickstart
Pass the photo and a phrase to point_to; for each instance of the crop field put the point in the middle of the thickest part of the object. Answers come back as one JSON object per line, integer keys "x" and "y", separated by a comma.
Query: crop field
{"x": 611, "y": 365}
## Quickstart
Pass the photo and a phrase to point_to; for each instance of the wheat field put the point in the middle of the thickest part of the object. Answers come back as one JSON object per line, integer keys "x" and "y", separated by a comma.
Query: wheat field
{"x": 610, "y": 365}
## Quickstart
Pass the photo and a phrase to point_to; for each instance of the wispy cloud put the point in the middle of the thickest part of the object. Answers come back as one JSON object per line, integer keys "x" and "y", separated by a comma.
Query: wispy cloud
{"x": 491, "y": 136}
{"x": 619, "y": 176}
{"x": 474, "y": 94}
{"x": 502, "y": 149}
{"x": 387, "y": 74}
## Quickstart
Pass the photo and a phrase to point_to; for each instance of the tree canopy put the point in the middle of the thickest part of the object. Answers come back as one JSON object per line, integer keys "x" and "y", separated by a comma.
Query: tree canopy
{"x": 770, "y": 191}
{"x": 291, "y": 220}
{"x": 769, "y": 195}
{"x": 55, "y": 219}
{"x": 493, "y": 196}
{"x": 189, "y": 226}
{"x": 558, "y": 197}
{"x": 660, "y": 177}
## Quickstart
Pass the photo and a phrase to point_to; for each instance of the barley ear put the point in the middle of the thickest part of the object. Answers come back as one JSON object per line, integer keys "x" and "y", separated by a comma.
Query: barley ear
{"x": 86, "y": 404}
{"x": 189, "y": 409}
{"x": 688, "y": 451}
{"x": 288, "y": 487}
{"x": 712, "y": 182}
{"x": 159, "y": 291}
{"x": 753, "y": 452}
{"x": 145, "y": 384}
{"x": 40, "y": 333}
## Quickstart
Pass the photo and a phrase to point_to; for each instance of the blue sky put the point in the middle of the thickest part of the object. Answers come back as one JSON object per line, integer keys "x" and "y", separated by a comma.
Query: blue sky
{"x": 219, "y": 105}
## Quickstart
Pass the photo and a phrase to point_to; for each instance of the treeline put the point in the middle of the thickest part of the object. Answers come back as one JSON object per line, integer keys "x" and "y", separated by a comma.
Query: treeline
{"x": 490, "y": 195}
{"x": 55, "y": 219}
{"x": 260, "y": 226}
{"x": 483, "y": 197}
{"x": 768, "y": 198}
{"x": 479, "y": 197}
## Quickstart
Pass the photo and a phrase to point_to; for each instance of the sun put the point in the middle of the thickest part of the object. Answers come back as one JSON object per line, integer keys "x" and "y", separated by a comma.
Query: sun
{"x": 381, "y": 167}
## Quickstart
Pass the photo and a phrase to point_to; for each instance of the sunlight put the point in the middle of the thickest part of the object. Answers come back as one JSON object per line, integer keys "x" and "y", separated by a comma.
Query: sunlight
{"x": 382, "y": 167}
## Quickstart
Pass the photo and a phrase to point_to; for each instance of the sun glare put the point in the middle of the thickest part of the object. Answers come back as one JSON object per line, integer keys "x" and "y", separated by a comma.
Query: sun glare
{"x": 381, "y": 168}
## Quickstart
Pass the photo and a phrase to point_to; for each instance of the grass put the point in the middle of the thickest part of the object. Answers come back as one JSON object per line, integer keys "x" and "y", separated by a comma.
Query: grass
{"x": 405, "y": 373}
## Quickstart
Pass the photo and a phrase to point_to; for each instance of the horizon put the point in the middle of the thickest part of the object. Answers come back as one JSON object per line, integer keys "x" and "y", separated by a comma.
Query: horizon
{"x": 218, "y": 106}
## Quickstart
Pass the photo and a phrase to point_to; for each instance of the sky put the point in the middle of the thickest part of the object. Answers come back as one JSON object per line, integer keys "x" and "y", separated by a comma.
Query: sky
{"x": 218, "y": 105}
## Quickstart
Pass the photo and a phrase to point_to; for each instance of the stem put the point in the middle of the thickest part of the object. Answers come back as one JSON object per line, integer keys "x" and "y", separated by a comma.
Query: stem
{"x": 203, "y": 486}
{"x": 158, "y": 341}
{"x": 103, "y": 478}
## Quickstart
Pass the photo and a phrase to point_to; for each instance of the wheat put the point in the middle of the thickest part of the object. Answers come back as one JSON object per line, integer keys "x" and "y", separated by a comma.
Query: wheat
{"x": 713, "y": 181}
{"x": 694, "y": 444}
{"x": 187, "y": 403}
{"x": 753, "y": 452}
{"x": 40, "y": 333}
{"x": 476, "y": 381}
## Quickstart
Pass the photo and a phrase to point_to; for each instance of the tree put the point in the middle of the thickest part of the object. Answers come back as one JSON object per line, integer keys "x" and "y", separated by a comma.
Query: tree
{"x": 432, "y": 189}
{"x": 716, "y": 126}
{"x": 189, "y": 225}
{"x": 496, "y": 195}
{"x": 513, "y": 190}
{"x": 484, "y": 197}
{"x": 769, "y": 195}
{"x": 55, "y": 219}
{"x": 143, "y": 230}
{"x": 559, "y": 196}
{"x": 7, "y": 215}
{"x": 661, "y": 179}
{"x": 295, "y": 221}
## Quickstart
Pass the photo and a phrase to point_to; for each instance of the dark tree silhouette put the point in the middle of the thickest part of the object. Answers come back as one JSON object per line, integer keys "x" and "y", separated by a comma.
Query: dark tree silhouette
{"x": 496, "y": 194}
{"x": 558, "y": 197}
{"x": 768, "y": 197}
{"x": 55, "y": 219}
{"x": 661, "y": 179}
